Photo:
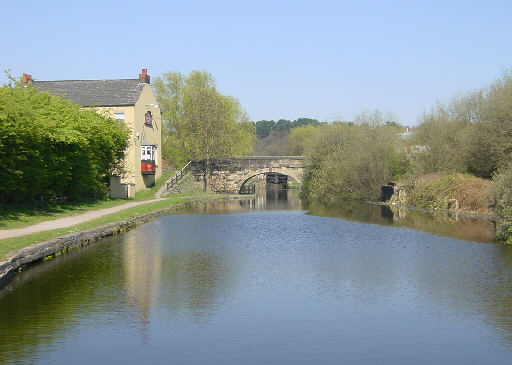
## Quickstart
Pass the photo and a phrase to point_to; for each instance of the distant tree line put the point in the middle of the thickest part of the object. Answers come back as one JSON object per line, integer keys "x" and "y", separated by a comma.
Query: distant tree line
{"x": 265, "y": 127}
{"x": 51, "y": 148}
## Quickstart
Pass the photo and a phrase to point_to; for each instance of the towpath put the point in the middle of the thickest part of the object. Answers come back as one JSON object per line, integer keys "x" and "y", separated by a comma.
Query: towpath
{"x": 69, "y": 221}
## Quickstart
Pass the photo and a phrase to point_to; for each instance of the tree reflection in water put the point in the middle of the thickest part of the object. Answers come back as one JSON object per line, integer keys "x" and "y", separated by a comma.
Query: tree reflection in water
{"x": 457, "y": 225}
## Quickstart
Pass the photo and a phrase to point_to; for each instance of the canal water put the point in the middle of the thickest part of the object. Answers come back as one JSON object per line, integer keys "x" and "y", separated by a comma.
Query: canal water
{"x": 270, "y": 281}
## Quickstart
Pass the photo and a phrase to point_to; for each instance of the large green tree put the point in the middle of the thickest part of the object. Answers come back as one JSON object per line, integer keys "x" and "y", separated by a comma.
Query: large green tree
{"x": 199, "y": 122}
{"x": 51, "y": 148}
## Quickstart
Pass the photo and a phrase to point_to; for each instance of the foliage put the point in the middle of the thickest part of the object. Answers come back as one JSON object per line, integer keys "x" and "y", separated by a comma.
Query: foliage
{"x": 275, "y": 144}
{"x": 282, "y": 125}
{"x": 301, "y": 139}
{"x": 265, "y": 127}
{"x": 399, "y": 165}
{"x": 374, "y": 118}
{"x": 441, "y": 141}
{"x": 349, "y": 161}
{"x": 302, "y": 122}
{"x": 51, "y": 148}
{"x": 200, "y": 122}
{"x": 503, "y": 194}
{"x": 461, "y": 192}
{"x": 470, "y": 134}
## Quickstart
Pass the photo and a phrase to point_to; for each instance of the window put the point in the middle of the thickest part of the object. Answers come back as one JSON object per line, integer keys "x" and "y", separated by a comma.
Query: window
{"x": 148, "y": 153}
{"x": 119, "y": 116}
{"x": 148, "y": 118}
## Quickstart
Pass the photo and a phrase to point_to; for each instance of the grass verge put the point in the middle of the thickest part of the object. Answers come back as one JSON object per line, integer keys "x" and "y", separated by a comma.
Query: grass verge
{"x": 12, "y": 244}
{"x": 19, "y": 216}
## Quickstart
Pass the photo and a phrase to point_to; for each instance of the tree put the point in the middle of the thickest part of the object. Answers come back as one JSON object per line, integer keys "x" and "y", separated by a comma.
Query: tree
{"x": 300, "y": 122}
{"x": 275, "y": 144}
{"x": 471, "y": 133}
{"x": 264, "y": 127}
{"x": 200, "y": 122}
{"x": 51, "y": 148}
{"x": 301, "y": 139}
{"x": 349, "y": 161}
{"x": 282, "y": 125}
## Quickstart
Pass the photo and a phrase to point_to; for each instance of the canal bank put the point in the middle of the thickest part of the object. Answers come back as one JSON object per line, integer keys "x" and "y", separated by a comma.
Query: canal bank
{"x": 16, "y": 260}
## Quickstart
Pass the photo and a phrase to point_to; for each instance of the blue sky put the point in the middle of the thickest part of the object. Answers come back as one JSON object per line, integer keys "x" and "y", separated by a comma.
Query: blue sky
{"x": 282, "y": 59}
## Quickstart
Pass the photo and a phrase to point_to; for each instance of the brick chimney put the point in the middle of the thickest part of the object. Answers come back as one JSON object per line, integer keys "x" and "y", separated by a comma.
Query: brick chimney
{"x": 144, "y": 77}
{"x": 26, "y": 78}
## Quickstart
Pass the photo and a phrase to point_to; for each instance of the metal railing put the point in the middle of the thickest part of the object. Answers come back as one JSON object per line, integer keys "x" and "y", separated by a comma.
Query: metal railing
{"x": 178, "y": 175}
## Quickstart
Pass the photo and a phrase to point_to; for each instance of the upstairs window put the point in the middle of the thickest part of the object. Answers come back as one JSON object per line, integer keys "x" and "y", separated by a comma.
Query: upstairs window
{"x": 119, "y": 116}
{"x": 148, "y": 118}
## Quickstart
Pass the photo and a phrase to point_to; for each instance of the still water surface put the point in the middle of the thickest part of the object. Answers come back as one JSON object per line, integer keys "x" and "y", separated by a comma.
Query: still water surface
{"x": 270, "y": 281}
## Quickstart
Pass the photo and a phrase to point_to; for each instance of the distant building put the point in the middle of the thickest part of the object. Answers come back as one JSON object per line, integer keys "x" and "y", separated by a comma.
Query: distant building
{"x": 131, "y": 101}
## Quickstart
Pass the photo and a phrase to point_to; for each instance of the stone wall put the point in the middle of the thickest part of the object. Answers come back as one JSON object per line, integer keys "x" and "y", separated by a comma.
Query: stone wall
{"x": 228, "y": 175}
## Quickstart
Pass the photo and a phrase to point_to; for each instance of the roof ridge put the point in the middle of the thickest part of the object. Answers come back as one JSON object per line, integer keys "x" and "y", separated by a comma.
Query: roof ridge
{"x": 87, "y": 80}
{"x": 110, "y": 92}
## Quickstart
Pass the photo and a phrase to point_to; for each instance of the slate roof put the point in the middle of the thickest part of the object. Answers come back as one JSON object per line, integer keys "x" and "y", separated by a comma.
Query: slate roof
{"x": 122, "y": 92}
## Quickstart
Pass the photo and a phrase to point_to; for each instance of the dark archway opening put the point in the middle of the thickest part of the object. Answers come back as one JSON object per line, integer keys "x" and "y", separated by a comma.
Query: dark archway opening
{"x": 268, "y": 181}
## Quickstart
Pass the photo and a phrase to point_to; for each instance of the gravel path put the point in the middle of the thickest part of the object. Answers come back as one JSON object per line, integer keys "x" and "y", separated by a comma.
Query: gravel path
{"x": 69, "y": 221}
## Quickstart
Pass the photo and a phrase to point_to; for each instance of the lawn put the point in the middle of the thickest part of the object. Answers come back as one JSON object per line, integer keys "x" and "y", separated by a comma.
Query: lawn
{"x": 11, "y": 244}
{"x": 19, "y": 216}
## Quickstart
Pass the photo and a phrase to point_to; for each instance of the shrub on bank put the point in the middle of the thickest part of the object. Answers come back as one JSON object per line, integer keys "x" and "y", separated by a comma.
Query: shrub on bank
{"x": 50, "y": 147}
{"x": 349, "y": 161}
{"x": 461, "y": 192}
{"x": 503, "y": 194}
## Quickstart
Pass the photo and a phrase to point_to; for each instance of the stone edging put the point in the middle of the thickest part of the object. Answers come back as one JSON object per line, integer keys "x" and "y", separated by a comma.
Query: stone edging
{"x": 25, "y": 256}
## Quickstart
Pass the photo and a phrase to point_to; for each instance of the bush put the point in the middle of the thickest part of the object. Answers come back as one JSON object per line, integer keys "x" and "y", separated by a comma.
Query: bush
{"x": 503, "y": 195}
{"x": 461, "y": 192}
{"x": 349, "y": 161}
{"x": 50, "y": 147}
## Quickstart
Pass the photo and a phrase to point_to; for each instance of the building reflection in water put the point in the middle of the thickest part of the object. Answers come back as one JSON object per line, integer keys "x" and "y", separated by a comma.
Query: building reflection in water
{"x": 171, "y": 268}
{"x": 142, "y": 263}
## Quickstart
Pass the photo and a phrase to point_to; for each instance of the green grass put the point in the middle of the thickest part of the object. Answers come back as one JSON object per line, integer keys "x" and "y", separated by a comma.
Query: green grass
{"x": 19, "y": 216}
{"x": 11, "y": 244}
{"x": 150, "y": 193}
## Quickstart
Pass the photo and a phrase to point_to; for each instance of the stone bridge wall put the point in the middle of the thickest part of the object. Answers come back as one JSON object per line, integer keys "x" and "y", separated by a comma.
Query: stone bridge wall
{"x": 228, "y": 175}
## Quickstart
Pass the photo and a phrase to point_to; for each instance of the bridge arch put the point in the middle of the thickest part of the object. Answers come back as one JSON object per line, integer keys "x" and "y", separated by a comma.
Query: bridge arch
{"x": 295, "y": 176}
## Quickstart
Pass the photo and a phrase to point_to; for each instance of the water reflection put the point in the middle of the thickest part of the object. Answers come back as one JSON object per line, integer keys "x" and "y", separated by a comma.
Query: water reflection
{"x": 269, "y": 285}
{"x": 457, "y": 225}
{"x": 265, "y": 199}
{"x": 142, "y": 263}
{"x": 40, "y": 307}
{"x": 195, "y": 275}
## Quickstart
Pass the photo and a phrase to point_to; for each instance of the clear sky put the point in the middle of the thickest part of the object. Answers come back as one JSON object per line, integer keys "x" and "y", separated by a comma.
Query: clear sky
{"x": 282, "y": 59}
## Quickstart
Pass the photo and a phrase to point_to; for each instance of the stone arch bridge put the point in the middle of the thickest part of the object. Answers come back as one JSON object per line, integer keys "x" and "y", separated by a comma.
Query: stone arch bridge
{"x": 230, "y": 174}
